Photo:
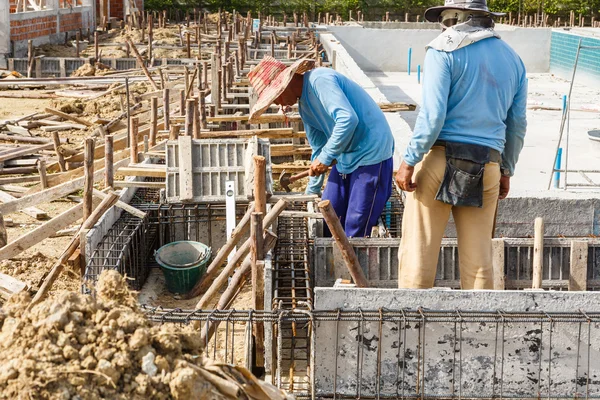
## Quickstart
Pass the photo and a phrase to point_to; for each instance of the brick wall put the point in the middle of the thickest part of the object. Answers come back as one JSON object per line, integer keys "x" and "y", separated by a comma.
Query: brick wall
{"x": 117, "y": 7}
{"x": 13, "y": 5}
{"x": 563, "y": 51}
{"x": 32, "y": 28}
{"x": 70, "y": 22}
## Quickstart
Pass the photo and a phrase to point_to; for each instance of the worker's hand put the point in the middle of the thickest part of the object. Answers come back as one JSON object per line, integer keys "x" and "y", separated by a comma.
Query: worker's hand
{"x": 317, "y": 168}
{"x": 504, "y": 186}
{"x": 404, "y": 178}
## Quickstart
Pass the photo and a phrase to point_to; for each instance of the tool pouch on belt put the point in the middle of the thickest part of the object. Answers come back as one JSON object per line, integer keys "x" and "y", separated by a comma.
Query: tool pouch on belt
{"x": 463, "y": 179}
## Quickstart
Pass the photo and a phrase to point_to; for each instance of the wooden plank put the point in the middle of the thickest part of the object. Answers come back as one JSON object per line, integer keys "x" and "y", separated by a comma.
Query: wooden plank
{"x": 25, "y": 151}
{"x": 19, "y": 130}
{"x": 10, "y": 286}
{"x": 186, "y": 166}
{"x": 122, "y": 205}
{"x": 137, "y": 171}
{"x": 63, "y": 127}
{"x": 538, "y": 253}
{"x": 67, "y": 116}
{"x": 139, "y": 184}
{"x": 498, "y": 263}
{"x": 31, "y": 211}
{"x": 53, "y": 193}
{"x": 579, "y": 266}
{"x": 42, "y": 232}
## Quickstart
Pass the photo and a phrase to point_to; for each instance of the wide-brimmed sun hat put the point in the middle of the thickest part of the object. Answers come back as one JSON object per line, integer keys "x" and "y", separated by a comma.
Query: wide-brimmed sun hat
{"x": 270, "y": 78}
{"x": 433, "y": 14}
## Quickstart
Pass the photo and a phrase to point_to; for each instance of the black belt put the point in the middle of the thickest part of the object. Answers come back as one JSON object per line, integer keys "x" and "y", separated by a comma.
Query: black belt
{"x": 495, "y": 155}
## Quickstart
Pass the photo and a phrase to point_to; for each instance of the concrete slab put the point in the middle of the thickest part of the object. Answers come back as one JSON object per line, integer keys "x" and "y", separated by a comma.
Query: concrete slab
{"x": 536, "y": 160}
{"x": 461, "y": 356}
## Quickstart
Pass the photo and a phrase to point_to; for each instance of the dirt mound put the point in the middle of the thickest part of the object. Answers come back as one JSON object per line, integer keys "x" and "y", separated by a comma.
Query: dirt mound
{"x": 85, "y": 70}
{"x": 77, "y": 346}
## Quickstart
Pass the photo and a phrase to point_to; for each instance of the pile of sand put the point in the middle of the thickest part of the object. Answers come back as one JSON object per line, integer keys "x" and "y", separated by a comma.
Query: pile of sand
{"x": 78, "y": 346}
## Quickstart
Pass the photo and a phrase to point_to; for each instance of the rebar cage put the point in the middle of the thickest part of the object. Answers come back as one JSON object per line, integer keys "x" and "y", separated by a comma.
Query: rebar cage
{"x": 410, "y": 354}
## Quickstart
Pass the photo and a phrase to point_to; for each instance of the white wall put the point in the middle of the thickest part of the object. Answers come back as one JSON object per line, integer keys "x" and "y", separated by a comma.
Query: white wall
{"x": 387, "y": 49}
{"x": 4, "y": 31}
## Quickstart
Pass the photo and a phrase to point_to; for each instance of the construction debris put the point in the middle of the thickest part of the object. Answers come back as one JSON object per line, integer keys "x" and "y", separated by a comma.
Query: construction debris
{"x": 104, "y": 347}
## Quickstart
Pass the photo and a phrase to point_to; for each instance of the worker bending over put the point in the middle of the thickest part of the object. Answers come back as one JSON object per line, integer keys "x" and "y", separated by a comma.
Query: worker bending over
{"x": 465, "y": 145}
{"x": 343, "y": 126}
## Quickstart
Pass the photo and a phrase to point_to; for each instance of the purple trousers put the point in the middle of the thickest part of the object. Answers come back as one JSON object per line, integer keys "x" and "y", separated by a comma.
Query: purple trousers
{"x": 358, "y": 198}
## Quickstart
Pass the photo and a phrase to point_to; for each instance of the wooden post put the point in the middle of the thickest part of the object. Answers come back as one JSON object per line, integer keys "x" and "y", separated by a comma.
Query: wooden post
{"x": 77, "y": 40}
{"x": 166, "y": 107}
{"x": 42, "y": 171}
{"x": 538, "y": 253}
{"x": 182, "y": 102}
{"x": 260, "y": 193}
{"x": 61, "y": 159}
{"x": 88, "y": 174}
{"x": 258, "y": 281}
{"x": 202, "y": 108}
{"x": 153, "y": 120}
{"x": 108, "y": 161}
{"x": 142, "y": 65}
{"x": 96, "y": 47}
{"x": 196, "y": 124}
{"x": 498, "y": 263}
{"x": 133, "y": 140}
{"x": 579, "y": 265}
{"x": 348, "y": 254}
{"x": 188, "y": 46}
{"x": 205, "y": 74}
{"x": 189, "y": 117}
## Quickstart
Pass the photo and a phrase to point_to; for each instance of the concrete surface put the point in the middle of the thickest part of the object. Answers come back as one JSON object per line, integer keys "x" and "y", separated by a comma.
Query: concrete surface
{"x": 448, "y": 359}
{"x": 4, "y": 33}
{"x": 536, "y": 160}
{"x": 387, "y": 49}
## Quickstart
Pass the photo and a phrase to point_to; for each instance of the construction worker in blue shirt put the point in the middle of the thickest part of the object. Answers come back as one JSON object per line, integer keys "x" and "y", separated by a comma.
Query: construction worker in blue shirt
{"x": 344, "y": 126}
{"x": 465, "y": 145}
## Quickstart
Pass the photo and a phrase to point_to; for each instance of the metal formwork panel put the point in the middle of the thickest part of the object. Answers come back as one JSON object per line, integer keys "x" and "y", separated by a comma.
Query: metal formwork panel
{"x": 50, "y": 67}
{"x": 214, "y": 163}
{"x": 379, "y": 260}
{"x": 124, "y": 64}
{"x": 73, "y": 64}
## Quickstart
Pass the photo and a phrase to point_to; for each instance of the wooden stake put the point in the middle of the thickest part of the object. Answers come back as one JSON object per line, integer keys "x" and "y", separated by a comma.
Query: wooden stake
{"x": 538, "y": 253}
{"x": 348, "y": 254}
{"x": 260, "y": 193}
{"x": 42, "y": 171}
{"x": 166, "y": 107}
{"x": 142, "y": 65}
{"x": 96, "y": 47}
{"x": 258, "y": 281}
{"x": 108, "y": 202}
{"x": 77, "y": 40}
{"x": 30, "y": 58}
{"x": 108, "y": 161}
{"x": 202, "y": 108}
{"x": 579, "y": 265}
{"x": 498, "y": 263}
{"x": 189, "y": 118}
{"x": 59, "y": 155}
{"x": 153, "y": 120}
{"x": 174, "y": 132}
{"x": 133, "y": 140}
{"x": 196, "y": 124}
{"x": 188, "y": 46}
{"x": 182, "y": 102}
{"x": 88, "y": 173}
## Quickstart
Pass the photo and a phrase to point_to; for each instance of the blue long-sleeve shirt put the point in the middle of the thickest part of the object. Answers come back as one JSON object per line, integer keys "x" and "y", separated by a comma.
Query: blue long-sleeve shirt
{"x": 343, "y": 123}
{"x": 477, "y": 95}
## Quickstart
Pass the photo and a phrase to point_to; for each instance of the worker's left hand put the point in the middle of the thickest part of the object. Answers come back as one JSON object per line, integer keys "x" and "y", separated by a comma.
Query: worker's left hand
{"x": 504, "y": 186}
{"x": 317, "y": 168}
{"x": 404, "y": 178}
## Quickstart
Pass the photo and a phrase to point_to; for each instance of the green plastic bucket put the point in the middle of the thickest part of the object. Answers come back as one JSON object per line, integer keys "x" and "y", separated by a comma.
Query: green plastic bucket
{"x": 183, "y": 263}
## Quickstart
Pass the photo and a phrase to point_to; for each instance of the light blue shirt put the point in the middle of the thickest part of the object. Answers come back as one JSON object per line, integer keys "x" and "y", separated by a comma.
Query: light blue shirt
{"x": 343, "y": 123}
{"x": 477, "y": 95}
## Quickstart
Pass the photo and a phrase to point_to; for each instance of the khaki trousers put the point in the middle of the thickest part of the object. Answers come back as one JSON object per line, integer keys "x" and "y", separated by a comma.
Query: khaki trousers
{"x": 425, "y": 220}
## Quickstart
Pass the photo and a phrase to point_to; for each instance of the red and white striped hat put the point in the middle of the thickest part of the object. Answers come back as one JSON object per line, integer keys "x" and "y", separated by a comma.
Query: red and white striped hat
{"x": 270, "y": 78}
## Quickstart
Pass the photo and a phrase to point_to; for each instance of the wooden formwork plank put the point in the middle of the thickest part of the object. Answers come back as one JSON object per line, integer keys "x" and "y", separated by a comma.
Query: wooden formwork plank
{"x": 579, "y": 265}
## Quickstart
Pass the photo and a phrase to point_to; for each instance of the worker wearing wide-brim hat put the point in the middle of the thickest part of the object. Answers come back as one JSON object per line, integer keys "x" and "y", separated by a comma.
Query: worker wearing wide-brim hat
{"x": 465, "y": 145}
{"x": 345, "y": 127}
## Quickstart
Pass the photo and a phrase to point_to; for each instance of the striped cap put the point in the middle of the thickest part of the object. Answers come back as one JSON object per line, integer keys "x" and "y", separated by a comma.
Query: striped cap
{"x": 270, "y": 78}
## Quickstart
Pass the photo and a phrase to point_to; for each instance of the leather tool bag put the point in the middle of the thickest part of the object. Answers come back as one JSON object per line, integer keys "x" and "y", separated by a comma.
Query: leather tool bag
{"x": 463, "y": 179}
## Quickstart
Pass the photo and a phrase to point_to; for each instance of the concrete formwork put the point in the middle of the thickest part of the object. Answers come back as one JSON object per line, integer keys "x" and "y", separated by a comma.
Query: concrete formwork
{"x": 477, "y": 352}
